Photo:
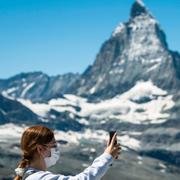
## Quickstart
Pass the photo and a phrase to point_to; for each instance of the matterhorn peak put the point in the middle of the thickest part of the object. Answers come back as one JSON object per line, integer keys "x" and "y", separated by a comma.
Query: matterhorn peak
{"x": 138, "y": 8}
{"x": 140, "y": 2}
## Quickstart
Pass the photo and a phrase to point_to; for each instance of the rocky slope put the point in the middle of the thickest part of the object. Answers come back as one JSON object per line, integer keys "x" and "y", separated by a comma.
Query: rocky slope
{"x": 36, "y": 86}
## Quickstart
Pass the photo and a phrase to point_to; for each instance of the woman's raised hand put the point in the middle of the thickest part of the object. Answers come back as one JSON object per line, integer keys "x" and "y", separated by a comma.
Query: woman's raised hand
{"x": 113, "y": 148}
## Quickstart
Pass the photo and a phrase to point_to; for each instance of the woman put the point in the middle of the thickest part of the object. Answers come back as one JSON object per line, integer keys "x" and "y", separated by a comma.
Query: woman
{"x": 40, "y": 151}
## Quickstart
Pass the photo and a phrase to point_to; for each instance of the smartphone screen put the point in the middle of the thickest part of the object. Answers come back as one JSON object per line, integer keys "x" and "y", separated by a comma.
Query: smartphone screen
{"x": 111, "y": 134}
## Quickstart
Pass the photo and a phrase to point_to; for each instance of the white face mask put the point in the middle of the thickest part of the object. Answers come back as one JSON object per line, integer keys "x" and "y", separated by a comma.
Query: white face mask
{"x": 50, "y": 161}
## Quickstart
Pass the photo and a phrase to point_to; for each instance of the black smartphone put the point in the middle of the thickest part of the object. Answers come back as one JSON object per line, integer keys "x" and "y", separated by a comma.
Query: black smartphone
{"x": 111, "y": 134}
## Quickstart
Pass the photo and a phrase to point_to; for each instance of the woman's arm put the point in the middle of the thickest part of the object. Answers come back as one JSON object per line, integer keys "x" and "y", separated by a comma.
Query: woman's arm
{"x": 94, "y": 172}
{"x": 98, "y": 168}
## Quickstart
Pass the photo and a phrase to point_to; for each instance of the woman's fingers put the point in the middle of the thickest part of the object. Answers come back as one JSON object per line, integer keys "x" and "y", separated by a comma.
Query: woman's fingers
{"x": 117, "y": 154}
{"x": 113, "y": 140}
{"x": 113, "y": 148}
{"x": 117, "y": 147}
{"x": 117, "y": 151}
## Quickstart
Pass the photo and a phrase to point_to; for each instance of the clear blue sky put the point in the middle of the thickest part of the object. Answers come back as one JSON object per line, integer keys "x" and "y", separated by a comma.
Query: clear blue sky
{"x": 60, "y": 36}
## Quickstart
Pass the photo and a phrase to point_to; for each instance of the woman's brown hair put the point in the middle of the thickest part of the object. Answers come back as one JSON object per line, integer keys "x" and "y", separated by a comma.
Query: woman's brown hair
{"x": 30, "y": 138}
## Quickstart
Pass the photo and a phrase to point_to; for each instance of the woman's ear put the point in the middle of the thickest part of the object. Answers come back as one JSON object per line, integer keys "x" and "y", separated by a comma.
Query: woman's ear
{"x": 40, "y": 149}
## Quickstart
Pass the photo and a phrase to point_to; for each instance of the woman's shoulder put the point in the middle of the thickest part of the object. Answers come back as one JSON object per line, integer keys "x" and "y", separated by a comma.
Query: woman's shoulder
{"x": 31, "y": 174}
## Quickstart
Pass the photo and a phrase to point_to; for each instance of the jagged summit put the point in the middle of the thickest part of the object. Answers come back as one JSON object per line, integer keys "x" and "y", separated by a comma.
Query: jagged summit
{"x": 137, "y": 50}
{"x": 140, "y": 2}
{"x": 140, "y": 18}
{"x": 138, "y": 8}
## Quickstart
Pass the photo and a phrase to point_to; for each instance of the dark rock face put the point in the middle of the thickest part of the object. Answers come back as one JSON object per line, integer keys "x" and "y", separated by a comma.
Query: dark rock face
{"x": 176, "y": 62}
{"x": 63, "y": 121}
{"x": 167, "y": 156}
{"x": 138, "y": 9}
{"x": 37, "y": 86}
{"x": 13, "y": 111}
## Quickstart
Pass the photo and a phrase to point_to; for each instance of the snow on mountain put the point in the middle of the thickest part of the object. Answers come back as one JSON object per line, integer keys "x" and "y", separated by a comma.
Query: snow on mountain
{"x": 143, "y": 38}
{"x": 144, "y": 89}
{"x": 132, "y": 106}
{"x": 38, "y": 108}
{"x": 60, "y": 105}
{"x": 27, "y": 88}
{"x": 9, "y": 93}
{"x": 10, "y": 130}
{"x": 118, "y": 29}
{"x": 10, "y": 90}
{"x": 14, "y": 132}
{"x": 144, "y": 103}
{"x": 129, "y": 142}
